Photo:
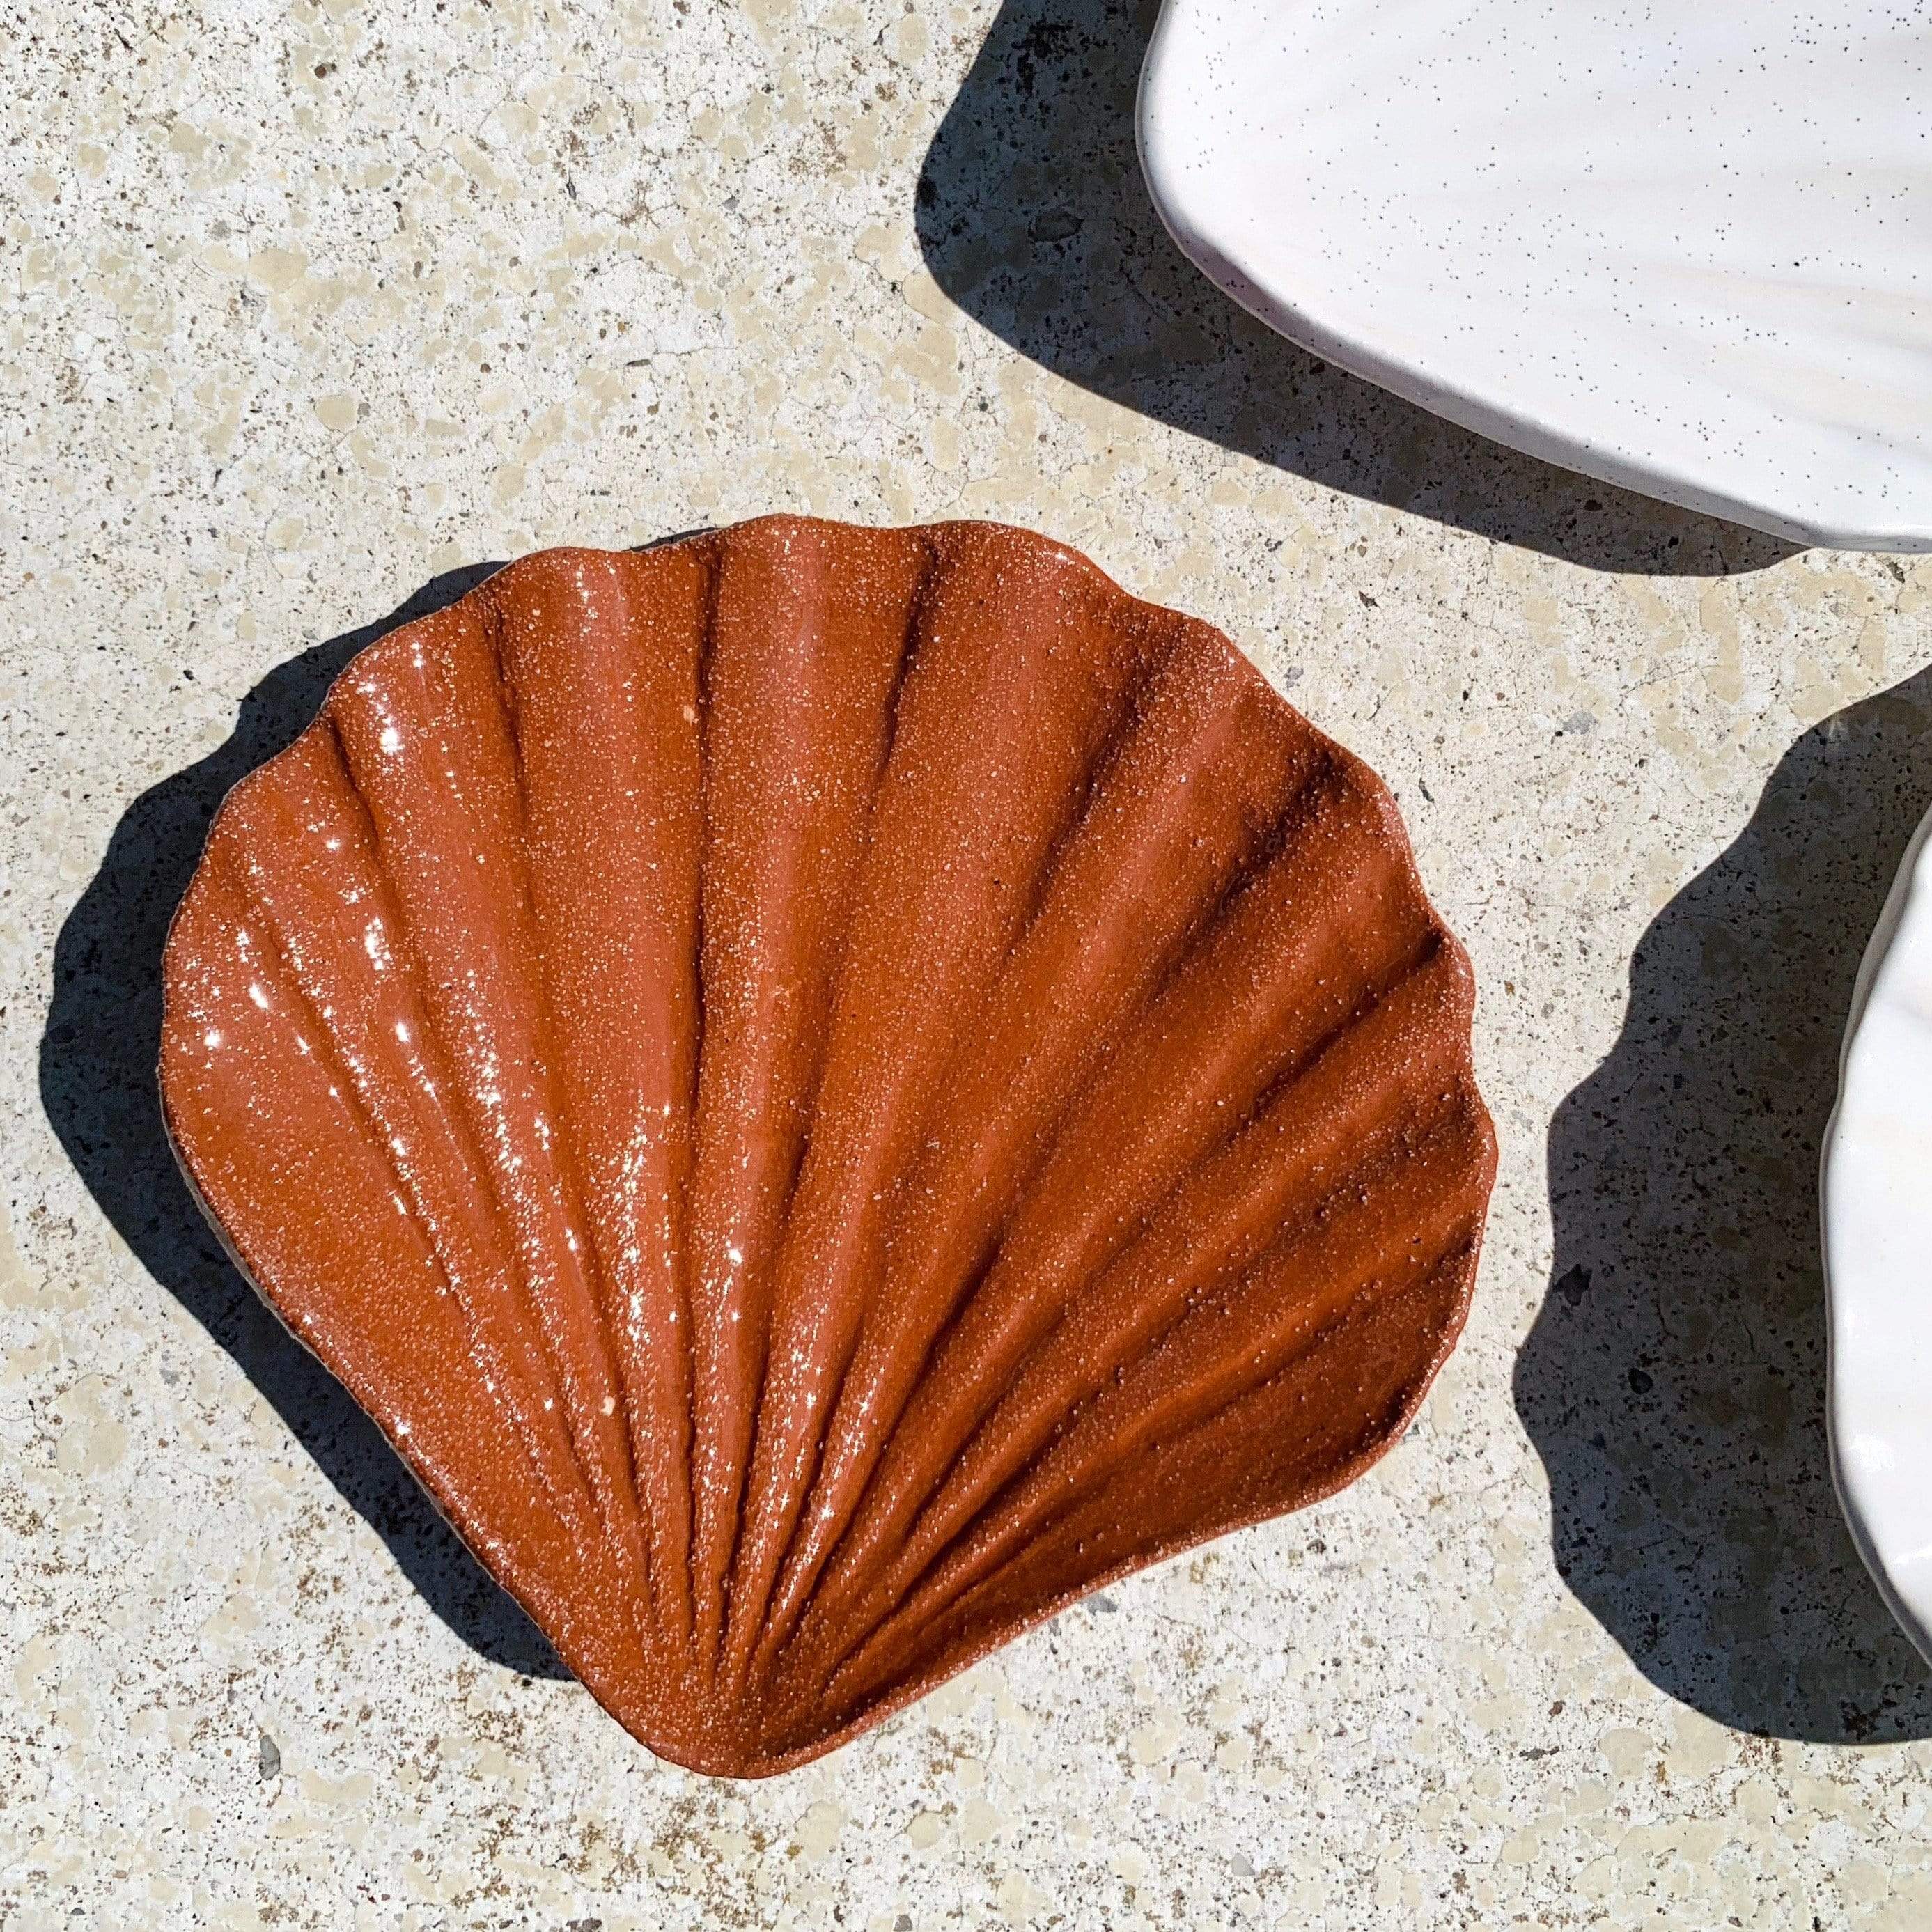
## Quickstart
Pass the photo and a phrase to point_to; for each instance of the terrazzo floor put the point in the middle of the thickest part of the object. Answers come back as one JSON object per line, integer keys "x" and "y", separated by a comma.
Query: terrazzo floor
{"x": 311, "y": 314}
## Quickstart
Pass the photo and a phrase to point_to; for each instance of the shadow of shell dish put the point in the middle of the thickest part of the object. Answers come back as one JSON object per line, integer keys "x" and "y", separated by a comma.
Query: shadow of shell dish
{"x": 831, "y": 1090}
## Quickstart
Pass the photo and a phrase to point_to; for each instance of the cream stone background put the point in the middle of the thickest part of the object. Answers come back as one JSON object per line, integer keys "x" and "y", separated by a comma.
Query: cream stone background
{"x": 309, "y": 310}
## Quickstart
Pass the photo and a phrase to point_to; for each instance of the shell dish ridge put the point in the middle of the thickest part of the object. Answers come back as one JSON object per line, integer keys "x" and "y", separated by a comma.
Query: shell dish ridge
{"x": 832, "y": 1091}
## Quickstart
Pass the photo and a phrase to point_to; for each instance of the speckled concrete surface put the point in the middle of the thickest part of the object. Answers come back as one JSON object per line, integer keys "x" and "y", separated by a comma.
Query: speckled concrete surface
{"x": 305, "y": 321}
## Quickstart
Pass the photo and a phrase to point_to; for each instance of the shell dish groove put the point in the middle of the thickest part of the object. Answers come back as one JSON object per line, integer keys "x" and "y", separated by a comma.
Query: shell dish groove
{"x": 831, "y": 1090}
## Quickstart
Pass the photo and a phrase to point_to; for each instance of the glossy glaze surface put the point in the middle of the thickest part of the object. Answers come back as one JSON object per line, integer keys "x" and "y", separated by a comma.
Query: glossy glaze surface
{"x": 831, "y": 1090}
{"x": 1877, "y": 1219}
{"x": 1686, "y": 250}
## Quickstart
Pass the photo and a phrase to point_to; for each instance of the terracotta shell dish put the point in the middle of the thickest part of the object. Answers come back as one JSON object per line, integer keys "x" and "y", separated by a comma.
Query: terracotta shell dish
{"x": 831, "y": 1090}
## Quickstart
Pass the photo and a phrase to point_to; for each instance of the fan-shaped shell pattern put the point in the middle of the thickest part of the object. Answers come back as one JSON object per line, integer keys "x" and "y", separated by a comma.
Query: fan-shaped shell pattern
{"x": 831, "y": 1090}
{"x": 1684, "y": 248}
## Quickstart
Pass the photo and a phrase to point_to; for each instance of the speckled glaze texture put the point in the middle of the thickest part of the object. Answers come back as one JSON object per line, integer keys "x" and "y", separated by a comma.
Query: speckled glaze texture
{"x": 1685, "y": 249}
{"x": 832, "y": 1091}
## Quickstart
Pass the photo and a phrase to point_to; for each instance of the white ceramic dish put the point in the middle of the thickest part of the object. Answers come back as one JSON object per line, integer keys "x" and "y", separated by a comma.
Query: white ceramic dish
{"x": 1877, "y": 1216}
{"x": 1687, "y": 249}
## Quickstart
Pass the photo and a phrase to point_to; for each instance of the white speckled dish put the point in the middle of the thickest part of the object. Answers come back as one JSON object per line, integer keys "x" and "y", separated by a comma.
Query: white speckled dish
{"x": 1877, "y": 1214}
{"x": 1685, "y": 249}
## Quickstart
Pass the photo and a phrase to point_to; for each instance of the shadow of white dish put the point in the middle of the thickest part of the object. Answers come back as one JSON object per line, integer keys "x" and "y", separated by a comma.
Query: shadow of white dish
{"x": 1877, "y": 1184}
{"x": 1688, "y": 250}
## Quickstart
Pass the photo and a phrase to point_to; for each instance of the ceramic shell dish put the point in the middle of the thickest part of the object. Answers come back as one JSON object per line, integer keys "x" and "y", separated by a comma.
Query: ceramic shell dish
{"x": 1877, "y": 1218}
{"x": 831, "y": 1090}
{"x": 1688, "y": 249}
